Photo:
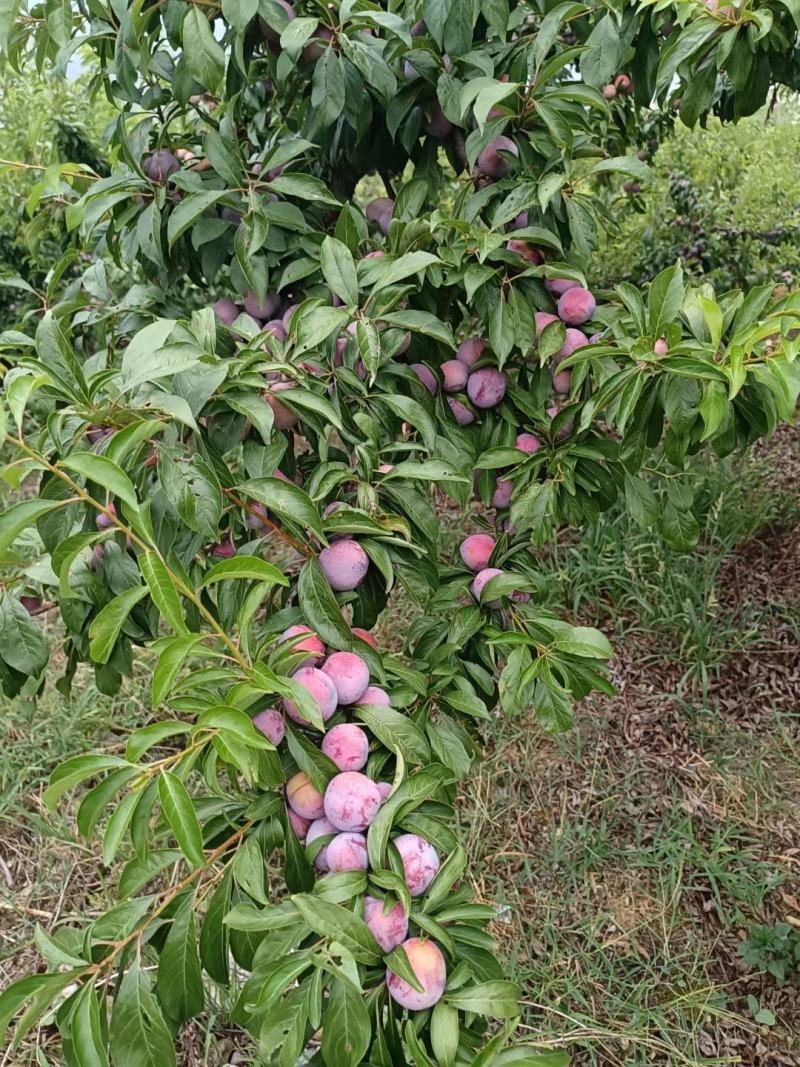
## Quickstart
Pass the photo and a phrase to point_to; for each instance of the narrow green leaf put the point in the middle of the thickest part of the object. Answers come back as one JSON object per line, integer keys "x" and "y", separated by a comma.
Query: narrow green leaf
{"x": 105, "y": 627}
{"x": 181, "y": 817}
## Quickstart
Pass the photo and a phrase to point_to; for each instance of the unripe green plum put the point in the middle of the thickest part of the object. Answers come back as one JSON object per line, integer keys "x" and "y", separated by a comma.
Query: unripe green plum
{"x": 344, "y": 564}
{"x": 470, "y": 351}
{"x": 576, "y": 306}
{"x": 487, "y": 387}
{"x": 388, "y": 928}
{"x": 347, "y": 745}
{"x": 347, "y": 852}
{"x": 491, "y": 160}
{"x": 349, "y": 674}
{"x": 310, "y": 644}
{"x": 351, "y": 801}
{"x": 320, "y": 687}
{"x": 476, "y": 550}
{"x": 303, "y": 798}
{"x": 455, "y": 375}
{"x": 420, "y": 862}
{"x": 271, "y": 724}
{"x": 427, "y": 963}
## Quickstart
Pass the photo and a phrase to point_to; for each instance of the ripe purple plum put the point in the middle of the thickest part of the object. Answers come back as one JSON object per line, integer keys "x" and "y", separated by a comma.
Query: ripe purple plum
{"x": 160, "y": 164}
{"x": 373, "y": 694}
{"x": 420, "y": 862}
{"x": 455, "y": 374}
{"x": 528, "y": 252}
{"x": 298, "y": 824}
{"x": 388, "y": 928}
{"x": 480, "y": 581}
{"x": 320, "y": 828}
{"x": 476, "y": 550}
{"x": 303, "y": 798}
{"x": 379, "y": 211}
{"x": 226, "y": 311}
{"x": 462, "y": 414}
{"x": 283, "y": 418}
{"x": 438, "y": 125}
{"x": 559, "y": 286}
{"x": 344, "y": 564}
{"x": 349, "y": 674}
{"x": 274, "y": 328}
{"x": 427, "y": 963}
{"x": 261, "y": 309}
{"x": 503, "y": 491}
{"x": 103, "y": 521}
{"x": 470, "y": 351}
{"x": 314, "y": 49}
{"x": 351, "y": 801}
{"x": 562, "y": 380}
{"x": 272, "y": 35}
{"x": 320, "y": 687}
{"x": 576, "y": 306}
{"x": 271, "y": 724}
{"x": 426, "y": 376}
{"x": 287, "y": 315}
{"x": 542, "y": 319}
{"x": 487, "y": 387}
{"x": 347, "y": 852}
{"x": 492, "y": 162}
{"x": 224, "y": 549}
{"x": 521, "y": 221}
{"x": 347, "y": 745}
{"x": 310, "y": 644}
{"x": 527, "y": 442}
{"x": 573, "y": 340}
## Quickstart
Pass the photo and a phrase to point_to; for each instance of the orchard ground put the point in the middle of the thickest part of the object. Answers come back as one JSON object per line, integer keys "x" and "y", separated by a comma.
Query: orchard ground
{"x": 629, "y": 858}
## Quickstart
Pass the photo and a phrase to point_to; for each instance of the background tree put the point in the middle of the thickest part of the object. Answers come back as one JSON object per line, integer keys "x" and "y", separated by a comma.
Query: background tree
{"x": 241, "y": 484}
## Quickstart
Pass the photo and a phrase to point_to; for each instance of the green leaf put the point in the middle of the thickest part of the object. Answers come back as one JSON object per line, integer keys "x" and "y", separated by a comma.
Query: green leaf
{"x": 316, "y": 325}
{"x": 584, "y": 641}
{"x": 162, "y": 590}
{"x": 320, "y": 608}
{"x": 413, "y": 792}
{"x": 444, "y": 1034}
{"x": 664, "y": 299}
{"x": 679, "y": 528}
{"x": 287, "y": 500}
{"x": 139, "y": 1035}
{"x": 181, "y": 817}
{"x": 20, "y": 992}
{"x": 380, "y": 273}
{"x": 339, "y": 270}
{"x": 192, "y": 207}
{"x": 601, "y": 59}
{"x": 202, "y": 52}
{"x": 23, "y": 645}
{"x": 713, "y": 407}
{"x": 20, "y": 516}
{"x": 640, "y": 500}
{"x": 180, "y": 983}
{"x": 338, "y": 924}
{"x": 143, "y": 739}
{"x": 8, "y": 16}
{"x": 244, "y": 568}
{"x": 239, "y": 13}
{"x": 214, "y": 934}
{"x": 105, "y": 626}
{"x": 304, "y": 187}
{"x": 409, "y": 410}
{"x": 494, "y": 1000}
{"x": 397, "y": 732}
{"x": 171, "y": 657}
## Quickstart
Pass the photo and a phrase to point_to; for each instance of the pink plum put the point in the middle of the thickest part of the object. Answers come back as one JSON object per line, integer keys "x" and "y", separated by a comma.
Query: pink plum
{"x": 385, "y": 789}
{"x": 320, "y": 687}
{"x": 388, "y": 928}
{"x": 576, "y": 306}
{"x": 270, "y": 723}
{"x": 274, "y": 328}
{"x": 470, "y": 351}
{"x": 351, "y": 801}
{"x": 559, "y": 286}
{"x": 365, "y": 635}
{"x": 427, "y": 963}
{"x": 349, "y": 674}
{"x": 455, "y": 374}
{"x": 562, "y": 380}
{"x": 476, "y": 549}
{"x": 226, "y": 311}
{"x": 486, "y": 387}
{"x": 298, "y": 824}
{"x": 303, "y": 798}
{"x": 542, "y": 319}
{"x": 344, "y": 564}
{"x": 503, "y": 491}
{"x": 462, "y": 414}
{"x": 492, "y": 162}
{"x": 347, "y": 745}
{"x": 283, "y": 418}
{"x": 320, "y": 828}
{"x": 480, "y": 581}
{"x": 420, "y": 862}
{"x": 103, "y": 521}
{"x": 527, "y": 442}
{"x": 347, "y": 852}
{"x": 379, "y": 211}
{"x": 661, "y": 346}
{"x": 573, "y": 339}
{"x": 373, "y": 694}
{"x": 528, "y": 252}
{"x": 310, "y": 644}
{"x": 261, "y": 309}
{"x": 224, "y": 549}
{"x": 426, "y": 376}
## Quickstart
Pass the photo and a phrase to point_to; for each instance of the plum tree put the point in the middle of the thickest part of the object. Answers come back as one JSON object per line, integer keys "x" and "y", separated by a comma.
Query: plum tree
{"x": 241, "y": 488}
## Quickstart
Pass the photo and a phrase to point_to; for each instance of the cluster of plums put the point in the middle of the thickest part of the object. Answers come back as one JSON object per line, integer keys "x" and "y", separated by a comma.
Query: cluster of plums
{"x": 621, "y": 86}
{"x": 335, "y": 821}
{"x": 484, "y": 386}
{"x": 476, "y": 552}
{"x": 575, "y": 308}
